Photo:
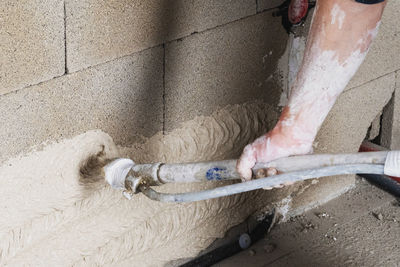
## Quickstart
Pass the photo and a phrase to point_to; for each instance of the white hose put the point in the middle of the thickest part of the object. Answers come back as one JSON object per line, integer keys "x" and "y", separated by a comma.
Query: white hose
{"x": 296, "y": 168}
{"x": 226, "y": 169}
{"x": 263, "y": 182}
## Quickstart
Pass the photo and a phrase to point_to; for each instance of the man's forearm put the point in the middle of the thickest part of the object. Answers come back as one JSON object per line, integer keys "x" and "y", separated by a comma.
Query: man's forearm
{"x": 340, "y": 35}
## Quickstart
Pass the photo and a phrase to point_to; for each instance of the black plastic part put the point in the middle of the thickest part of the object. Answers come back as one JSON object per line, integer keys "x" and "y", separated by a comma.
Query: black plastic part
{"x": 233, "y": 248}
{"x": 283, "y": 12}
{"x": 370, "y": 2}
{"x": 383, "y": 182}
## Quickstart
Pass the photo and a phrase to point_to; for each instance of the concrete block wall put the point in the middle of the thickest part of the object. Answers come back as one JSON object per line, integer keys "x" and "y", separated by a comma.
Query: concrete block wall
{"x": 383, "y": 57}
{"x": 100, "y": 31}
{"x": 233, "y": 64}
{"x": 32, "y": 45}
{"x": 114, "y": 97}
{"x": 98, "y": 64}
{"x": 138, "y": 70}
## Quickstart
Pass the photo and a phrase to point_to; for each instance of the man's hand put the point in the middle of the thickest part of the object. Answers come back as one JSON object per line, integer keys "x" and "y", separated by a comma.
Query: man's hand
{"x": 282, "y": 141}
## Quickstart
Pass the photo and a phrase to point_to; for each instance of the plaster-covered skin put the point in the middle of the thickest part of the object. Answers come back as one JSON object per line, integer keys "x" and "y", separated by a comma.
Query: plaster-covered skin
{"x": 336, "y": 47}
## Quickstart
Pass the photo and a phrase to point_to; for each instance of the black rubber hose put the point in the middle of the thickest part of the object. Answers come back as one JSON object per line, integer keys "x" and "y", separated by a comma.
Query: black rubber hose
{"x": 383, "y": 182}
{"x": 233, "y": 248}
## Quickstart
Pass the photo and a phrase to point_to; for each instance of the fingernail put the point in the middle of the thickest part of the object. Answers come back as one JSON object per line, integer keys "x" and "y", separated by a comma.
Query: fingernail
{"x": 260, "y": 173}
{"x": 272, "y": 171}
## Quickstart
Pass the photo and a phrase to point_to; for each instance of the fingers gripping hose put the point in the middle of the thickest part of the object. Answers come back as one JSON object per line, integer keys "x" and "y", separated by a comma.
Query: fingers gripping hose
{"x": 124, "y": 174}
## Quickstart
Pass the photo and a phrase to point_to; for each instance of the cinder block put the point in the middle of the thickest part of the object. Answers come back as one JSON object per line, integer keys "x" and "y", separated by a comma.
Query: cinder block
{"x": 390, "y": 131}
{"x": 383, "y": 56}
{"x": 101, "y": 30}
{"x": 232, "y": 64}
{"x": 122, "y": 97}
{"x": 267, "y": 4}
{"x": 343, "y": 131}
{"x": 31, "y": 42}
{"x": 346, "y": 125}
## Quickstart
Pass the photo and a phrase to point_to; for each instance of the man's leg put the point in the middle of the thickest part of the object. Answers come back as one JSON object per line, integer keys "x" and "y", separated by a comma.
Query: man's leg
{"x": 341, "y": 33}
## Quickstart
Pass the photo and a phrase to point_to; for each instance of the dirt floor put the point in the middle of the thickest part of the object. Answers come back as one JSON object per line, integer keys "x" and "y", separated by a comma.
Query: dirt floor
{"x": 360, "y": 228}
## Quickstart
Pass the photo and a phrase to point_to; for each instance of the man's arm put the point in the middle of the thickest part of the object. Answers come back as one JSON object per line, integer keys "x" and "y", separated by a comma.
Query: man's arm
{"x": 340, "y": 35}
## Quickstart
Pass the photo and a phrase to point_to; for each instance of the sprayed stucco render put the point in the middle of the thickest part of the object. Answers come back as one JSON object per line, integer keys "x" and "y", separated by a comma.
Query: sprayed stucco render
{"x": 48, "y": 217}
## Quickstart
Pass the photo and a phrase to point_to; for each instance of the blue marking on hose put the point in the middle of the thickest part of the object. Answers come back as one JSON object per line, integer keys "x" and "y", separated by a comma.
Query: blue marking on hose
{"x": 215, "y": 173}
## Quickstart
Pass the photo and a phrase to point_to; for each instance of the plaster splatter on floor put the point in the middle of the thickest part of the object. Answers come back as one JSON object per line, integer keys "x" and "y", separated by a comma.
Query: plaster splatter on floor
{"x": 347, "y": 231}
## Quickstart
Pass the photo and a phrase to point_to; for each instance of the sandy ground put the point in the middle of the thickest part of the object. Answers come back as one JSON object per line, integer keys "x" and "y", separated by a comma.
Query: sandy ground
{"x": 360, "y": 228}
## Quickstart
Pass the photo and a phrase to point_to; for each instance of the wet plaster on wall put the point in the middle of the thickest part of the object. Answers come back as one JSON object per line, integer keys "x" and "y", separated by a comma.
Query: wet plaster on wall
{"x": 49, "y": 218}
{"x": 45, "y": 209}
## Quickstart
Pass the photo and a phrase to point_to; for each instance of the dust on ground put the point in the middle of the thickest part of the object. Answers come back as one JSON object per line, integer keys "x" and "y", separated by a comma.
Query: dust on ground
{"x": 360, "y": 228}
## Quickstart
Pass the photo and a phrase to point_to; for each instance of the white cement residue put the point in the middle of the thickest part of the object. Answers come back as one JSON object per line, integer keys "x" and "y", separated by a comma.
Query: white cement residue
{"x": 297, "y": 47}
{"x": 282, "y": 74}
{"x": 289, "y": 65}
{"x": 284, "y": 207}
{"x": 337, "y": 15}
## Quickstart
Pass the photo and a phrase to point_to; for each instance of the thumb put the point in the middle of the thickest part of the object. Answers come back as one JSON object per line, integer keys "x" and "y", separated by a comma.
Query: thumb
{"x": 246, "y": 162}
